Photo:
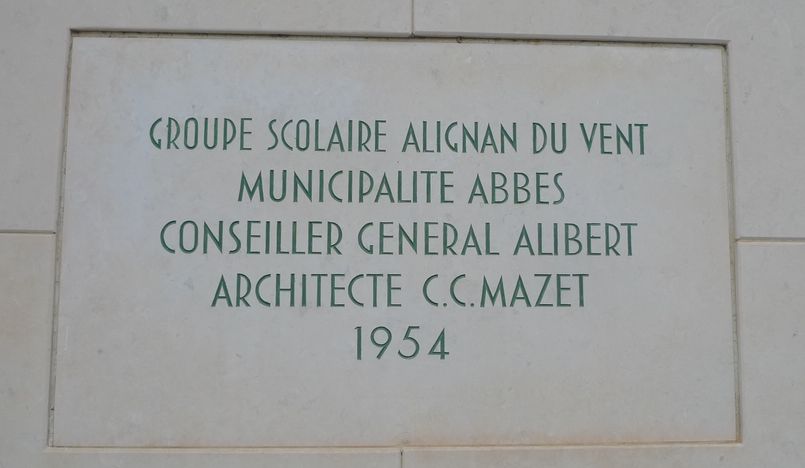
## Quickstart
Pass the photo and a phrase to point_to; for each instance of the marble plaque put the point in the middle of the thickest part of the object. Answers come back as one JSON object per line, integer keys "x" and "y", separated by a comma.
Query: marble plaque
{"x": 275, "y": 242}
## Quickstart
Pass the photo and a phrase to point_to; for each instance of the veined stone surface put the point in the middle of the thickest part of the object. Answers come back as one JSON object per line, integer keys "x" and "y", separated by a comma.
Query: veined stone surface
{"x": 633, "y": 345}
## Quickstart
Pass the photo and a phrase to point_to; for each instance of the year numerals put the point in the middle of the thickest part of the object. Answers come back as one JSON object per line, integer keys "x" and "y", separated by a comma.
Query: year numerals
{"x": 381, "y": 338}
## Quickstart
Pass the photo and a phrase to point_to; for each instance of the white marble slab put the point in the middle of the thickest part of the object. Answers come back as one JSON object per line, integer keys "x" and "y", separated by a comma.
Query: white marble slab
{"x": 143, "y": 360}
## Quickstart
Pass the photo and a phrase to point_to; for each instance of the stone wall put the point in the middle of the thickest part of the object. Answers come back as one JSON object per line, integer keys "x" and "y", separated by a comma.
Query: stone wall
{"x": 764, "y": 44}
